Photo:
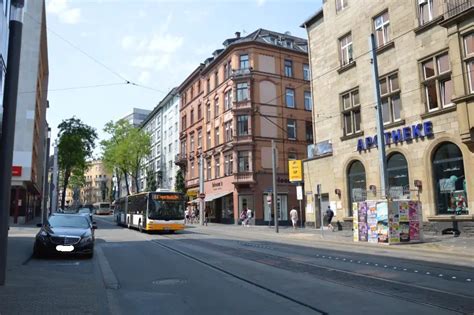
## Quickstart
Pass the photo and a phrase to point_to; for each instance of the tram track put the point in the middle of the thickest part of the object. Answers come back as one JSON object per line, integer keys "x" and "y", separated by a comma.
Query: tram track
{"x": 409, "y": 292}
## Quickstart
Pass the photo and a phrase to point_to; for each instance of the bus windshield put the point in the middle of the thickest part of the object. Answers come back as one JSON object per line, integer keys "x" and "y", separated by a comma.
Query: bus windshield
{"x": 166, "y": 210}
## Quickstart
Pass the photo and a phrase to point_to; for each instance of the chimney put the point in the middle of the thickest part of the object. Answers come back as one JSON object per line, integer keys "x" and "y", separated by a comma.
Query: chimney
{"x": 237, "y": 34}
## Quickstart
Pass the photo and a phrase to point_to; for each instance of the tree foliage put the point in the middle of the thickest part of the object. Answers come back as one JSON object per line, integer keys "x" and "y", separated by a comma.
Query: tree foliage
{"x": 76, "y": 145}
{"x": 179, "y": 183}
{"x": 125, "y": 150}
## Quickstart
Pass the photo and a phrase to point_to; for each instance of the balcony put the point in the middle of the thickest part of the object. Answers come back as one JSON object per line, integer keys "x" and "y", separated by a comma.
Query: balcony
{"x": 180, "y": 159}
{"x": 243, "y": 139}
{"x": 456, "y": 10}
{"x": 244, "y": 178}
{"x": 241, "y": 73}
{"x": 242, "y": 105}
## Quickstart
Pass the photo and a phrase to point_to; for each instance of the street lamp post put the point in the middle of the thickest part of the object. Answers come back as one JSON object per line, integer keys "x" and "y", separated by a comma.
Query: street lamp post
{"x": 8, "y": 125}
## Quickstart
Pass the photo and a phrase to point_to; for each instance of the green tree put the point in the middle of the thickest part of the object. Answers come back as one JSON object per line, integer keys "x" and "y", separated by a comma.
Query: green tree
{"x": 125, "y": 150}
{"x": 179, "y": 183}
{"x": 76, "y": 145}
{"x": 150, "y": 180}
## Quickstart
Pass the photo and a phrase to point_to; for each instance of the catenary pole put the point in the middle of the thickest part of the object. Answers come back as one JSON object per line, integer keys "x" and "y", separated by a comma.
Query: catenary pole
{"x": 54, "y": 200}
{"x": 275, "y": 194}
{"x": 201, "y": 189}
{"x": 8, "y": 125}
{"x": 380, "y": 128}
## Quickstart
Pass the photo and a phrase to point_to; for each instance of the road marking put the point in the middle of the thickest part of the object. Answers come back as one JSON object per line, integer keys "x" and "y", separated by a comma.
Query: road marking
{"x": 110, "y": 281}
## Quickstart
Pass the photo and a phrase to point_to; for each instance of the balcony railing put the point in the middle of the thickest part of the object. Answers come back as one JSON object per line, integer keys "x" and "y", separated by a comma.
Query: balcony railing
{"x": 242, "y": 104}
{"x": 241, "y": 72}
{"x": 455, "y": 7}
{"x": 243, "y": 139}
{"x": 180, "y": 158}
{"x": 244, "y": 178}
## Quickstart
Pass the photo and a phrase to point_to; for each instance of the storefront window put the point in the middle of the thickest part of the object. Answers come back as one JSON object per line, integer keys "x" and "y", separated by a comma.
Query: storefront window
{"x": 282, "y": 208}
{"x": 449, "y": 180}
{"x": 398, "y": 181}
{"x": 356, "y": 184}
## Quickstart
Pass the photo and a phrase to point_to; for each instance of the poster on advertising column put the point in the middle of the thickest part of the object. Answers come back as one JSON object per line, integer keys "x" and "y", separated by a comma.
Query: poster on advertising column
{"x": 393, "y": 223}
{"x": 372, "y": 235}
{"x": 382, "y": 221}
{"x": 363, "y": 227}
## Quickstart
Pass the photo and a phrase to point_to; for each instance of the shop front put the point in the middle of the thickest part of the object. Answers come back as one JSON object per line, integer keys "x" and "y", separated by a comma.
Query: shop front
{"x": 219, "y": 200}
{"x": 426, "y": 163}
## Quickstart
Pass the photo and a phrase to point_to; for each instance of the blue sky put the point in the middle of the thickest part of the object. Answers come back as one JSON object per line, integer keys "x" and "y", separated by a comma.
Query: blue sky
{"x": 155, "y": 43}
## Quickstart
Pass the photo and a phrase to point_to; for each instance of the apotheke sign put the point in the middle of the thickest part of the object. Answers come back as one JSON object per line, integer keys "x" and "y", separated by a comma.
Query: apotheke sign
{"x": 407, "y": 134}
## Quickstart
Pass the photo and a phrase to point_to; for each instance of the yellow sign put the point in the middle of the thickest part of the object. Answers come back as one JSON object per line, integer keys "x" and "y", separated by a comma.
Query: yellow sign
{"x": 192, "y": 193}
{"x": 295, "y": 170}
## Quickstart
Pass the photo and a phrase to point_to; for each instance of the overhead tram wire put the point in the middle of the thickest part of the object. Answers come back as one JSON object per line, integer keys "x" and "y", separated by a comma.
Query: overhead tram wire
{"x": 75, "y": 88}
{"x": 126, "y": 81}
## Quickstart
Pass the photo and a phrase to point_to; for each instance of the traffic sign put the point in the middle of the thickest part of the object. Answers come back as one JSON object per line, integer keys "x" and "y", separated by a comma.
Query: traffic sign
{"x": 202, "y": 195}
{"x": 299, "y": 192}
{"x": 295, "y": 170}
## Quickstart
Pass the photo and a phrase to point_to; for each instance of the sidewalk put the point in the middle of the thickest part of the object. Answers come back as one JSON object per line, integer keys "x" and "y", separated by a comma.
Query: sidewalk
{"x": 63, "y": 285}
{"x": 445, "y": 246}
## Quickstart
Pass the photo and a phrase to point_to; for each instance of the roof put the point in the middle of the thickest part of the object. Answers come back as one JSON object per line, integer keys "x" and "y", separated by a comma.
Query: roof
{"x": 260, "y": 36}
{"x": 173, "y": 92}
{"x": 313, "y": 19}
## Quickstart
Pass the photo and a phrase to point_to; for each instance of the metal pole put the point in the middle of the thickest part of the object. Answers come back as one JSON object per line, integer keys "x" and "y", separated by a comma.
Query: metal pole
{"x": 8, "y": 126}
{"x": 320, "y": 210}
{"x": 380, "y": 128}
{"x": 201, "y": 189}
{"x": 301, "y": 216}
{"x": 275, "y": 194}
{"x": 44, "y": 209}
{"x": 54, "y": 201}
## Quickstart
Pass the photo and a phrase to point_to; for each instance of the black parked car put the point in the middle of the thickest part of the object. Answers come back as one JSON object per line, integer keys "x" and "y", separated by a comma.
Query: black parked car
{"x": 65, "y": 233}
{"x": 86, "y": 212}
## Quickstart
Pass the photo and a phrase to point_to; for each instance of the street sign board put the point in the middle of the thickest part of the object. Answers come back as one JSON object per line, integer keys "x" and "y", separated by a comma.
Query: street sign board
{"x": 202, "y": 195}
{"x": 299, "y": 192}
{"x": 16, "y": 170}
{"x": 295, "y": 170}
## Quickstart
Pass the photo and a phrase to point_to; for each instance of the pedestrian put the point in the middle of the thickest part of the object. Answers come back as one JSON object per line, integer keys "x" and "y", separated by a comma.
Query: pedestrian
{"x": 206, "y": 215}
{"x": 186, "y": 215}
{"x": 243, "y": 216}
{"x": 249, "y": 217}
{"x": 294, "y": 217}
{"x": 330, "y": 215}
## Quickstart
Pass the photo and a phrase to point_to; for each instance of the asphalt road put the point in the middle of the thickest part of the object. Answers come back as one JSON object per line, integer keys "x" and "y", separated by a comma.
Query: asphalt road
{"x": 208, "y": 273}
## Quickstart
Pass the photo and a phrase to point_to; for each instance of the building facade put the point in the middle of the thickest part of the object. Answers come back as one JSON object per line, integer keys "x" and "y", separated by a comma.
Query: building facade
{"x": 137, "y": 116}
{"x": 162, "y": 125}
{"x": 97, "y": 187}
{"x": 254, "y": 90}
{"x": 31, "y": 135}
{"x": 425, "y": 52}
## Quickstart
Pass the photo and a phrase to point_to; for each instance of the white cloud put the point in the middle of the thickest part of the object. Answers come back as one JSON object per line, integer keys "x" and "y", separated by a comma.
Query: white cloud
{"x": 260, "y": 3}
{"x": 64, "y": 12}
{"x": 152, "y": 62}
{"x": 165, "y": 42}
{"x": 128, "y": 42}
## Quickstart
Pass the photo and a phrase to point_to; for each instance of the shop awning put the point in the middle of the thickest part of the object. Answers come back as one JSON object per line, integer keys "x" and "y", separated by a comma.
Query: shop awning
{"x": 211, "y": 197}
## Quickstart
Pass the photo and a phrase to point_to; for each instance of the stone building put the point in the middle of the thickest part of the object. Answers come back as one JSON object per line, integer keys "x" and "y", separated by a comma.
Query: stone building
{"x": 253, "y": 90}
{"x": 425, "y": 51}
{"x": 97, "y": 187}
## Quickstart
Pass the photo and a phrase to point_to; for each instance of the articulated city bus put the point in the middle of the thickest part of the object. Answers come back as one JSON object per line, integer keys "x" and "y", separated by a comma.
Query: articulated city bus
{"x": 102, "y": 208}
{"x": 151, "y": 211}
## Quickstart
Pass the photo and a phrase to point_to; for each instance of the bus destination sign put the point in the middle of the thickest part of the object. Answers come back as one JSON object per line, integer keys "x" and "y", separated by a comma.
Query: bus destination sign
{"x": 166, "y": 197}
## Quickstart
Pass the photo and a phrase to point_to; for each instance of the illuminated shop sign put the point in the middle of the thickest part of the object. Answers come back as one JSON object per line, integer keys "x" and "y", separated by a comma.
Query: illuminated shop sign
{"x": 407, "y": 134}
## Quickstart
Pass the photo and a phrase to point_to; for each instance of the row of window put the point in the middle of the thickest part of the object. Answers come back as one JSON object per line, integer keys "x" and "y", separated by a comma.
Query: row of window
{"x": 244, "y": 64}
{"x": 437, "y": 89}
{"x": 243, "y": 165}
{"x": 427, "y": 10}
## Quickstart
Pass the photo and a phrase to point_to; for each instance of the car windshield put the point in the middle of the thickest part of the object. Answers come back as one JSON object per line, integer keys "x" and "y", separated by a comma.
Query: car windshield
{"x": 79, "y": 222}
{"x": 166, "y": 210}
{"x": 84, "y": 210}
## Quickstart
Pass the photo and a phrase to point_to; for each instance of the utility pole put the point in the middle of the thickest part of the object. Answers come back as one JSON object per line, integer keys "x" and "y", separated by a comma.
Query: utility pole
{"x": 54, "y": 199}
{"x": 8, "y": 125}
{"x": 380, "y": 128}
{"x": 201, "y": 189}
{"x": 275, "y": 195}
{"x": 44, "y": 208}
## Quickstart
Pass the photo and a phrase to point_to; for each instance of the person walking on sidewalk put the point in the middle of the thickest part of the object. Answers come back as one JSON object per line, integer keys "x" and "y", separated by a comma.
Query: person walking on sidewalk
{"x": 294, "y": 217}
{"x": 243, "y": 216}
{"x": 249, "y": 217}
{"x": 206, "y": 215}
{"x": 330, "y": 215}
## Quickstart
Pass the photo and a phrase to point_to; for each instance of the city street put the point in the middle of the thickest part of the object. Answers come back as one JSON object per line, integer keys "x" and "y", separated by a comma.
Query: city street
{"x": 207, "y": 270}
{"x": 204, "y": 273}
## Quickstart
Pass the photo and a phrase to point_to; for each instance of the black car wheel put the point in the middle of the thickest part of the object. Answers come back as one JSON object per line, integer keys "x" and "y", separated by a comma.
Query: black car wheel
{"x": 36, "y": 252}
{"x": 90, "y": 255}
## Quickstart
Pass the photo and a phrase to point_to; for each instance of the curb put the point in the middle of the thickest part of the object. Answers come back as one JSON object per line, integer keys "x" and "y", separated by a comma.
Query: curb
{"x": 108, "y": 276}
